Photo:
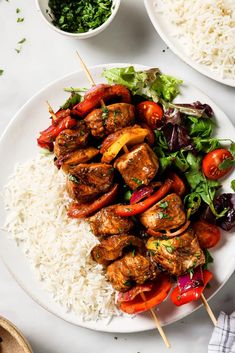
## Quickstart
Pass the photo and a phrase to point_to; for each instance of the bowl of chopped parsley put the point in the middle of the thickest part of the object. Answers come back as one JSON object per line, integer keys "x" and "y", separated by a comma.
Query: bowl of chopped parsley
{"x": 78, "y": 18}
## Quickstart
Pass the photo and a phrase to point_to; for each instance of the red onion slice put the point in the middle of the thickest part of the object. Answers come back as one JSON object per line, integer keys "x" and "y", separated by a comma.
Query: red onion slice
{"x": 140, "y": 194}
{"x": 188, "y": 282}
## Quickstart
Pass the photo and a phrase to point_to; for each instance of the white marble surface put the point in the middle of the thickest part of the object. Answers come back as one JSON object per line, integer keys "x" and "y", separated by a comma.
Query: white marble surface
{"x": 46, "y": 56}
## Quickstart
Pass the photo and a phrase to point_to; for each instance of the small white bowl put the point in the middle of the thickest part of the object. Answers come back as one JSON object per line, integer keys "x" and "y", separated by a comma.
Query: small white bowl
{"x": 43, "y": 8}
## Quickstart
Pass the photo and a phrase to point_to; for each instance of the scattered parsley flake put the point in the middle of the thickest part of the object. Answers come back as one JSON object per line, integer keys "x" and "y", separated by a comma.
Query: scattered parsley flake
{"x": 1, "y": 72}
{"x": 22, "y": 41}
{"x": 137, "y": 181}
{"x": 20, "y": 19}
{"x": 17, "y": 10}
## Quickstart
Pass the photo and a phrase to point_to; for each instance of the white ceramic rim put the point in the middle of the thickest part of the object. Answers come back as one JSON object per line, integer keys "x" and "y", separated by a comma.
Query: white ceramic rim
{"x": 85, "y": 35}
{"x": 203, "y": 69}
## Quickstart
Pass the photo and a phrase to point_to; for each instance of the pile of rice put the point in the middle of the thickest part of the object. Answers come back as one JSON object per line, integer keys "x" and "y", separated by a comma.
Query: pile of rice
{"x": 206, "y": 28}
{"x": 57, "y": 247}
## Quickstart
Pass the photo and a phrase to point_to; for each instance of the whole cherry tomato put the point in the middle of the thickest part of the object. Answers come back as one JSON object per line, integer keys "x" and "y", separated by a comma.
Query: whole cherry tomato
{"x": 212, "y": 163}
{"x": 208, "y": 234}
{"x": 150, "y": 113}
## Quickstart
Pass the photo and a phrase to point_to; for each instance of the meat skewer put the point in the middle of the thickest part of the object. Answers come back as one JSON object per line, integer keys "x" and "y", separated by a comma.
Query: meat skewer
{"x": 157, "y": 323}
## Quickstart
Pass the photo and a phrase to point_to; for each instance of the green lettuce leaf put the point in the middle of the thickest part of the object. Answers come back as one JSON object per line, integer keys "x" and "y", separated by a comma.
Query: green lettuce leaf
{"x": 150, "y": 83}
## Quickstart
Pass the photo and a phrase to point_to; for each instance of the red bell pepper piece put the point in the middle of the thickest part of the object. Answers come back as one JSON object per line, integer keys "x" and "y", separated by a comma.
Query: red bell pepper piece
{"x": 49, "y": 135}
{"x": 152, "y": 298}
{"x": 179, "y": 298}
{"x": 178, "y": 185}
{"x": 96, "y": 94}
{"x": 132, "y": 210}
{"x": 81, "y": 210}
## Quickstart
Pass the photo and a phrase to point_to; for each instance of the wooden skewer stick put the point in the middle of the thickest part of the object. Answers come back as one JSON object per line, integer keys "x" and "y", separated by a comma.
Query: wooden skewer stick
{"x": 90, "y": 78}
{"x": 157, "y": 323}
{"x": 88, "y": 74}
{"x": 208, "y": 309}
{"x": 51, "y": 111}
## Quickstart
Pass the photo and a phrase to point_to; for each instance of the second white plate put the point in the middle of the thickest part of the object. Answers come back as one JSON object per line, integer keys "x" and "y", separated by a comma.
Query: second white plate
{"x": 165, "y": 29}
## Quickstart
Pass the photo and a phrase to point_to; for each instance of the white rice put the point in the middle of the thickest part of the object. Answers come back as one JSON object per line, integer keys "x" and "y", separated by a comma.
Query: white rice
{"x": 206, "y": 29}
{"x": 57, "y": 247}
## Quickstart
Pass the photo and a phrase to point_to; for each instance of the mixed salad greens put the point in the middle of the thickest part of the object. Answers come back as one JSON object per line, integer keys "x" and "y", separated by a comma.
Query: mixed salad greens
{"x": 184, "y": 140}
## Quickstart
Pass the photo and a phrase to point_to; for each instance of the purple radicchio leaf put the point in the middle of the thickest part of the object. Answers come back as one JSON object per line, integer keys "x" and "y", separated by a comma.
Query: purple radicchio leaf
{"x": 224, "y": 201}
{"x": 196, "y": 109}
{"x": 177, "y": 137}
{"x": 172, "y": 116}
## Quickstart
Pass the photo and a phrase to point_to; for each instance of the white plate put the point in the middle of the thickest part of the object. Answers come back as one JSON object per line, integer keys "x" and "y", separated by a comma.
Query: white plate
{"x": 165, "y": 29}
{"x": 18, "y": 144}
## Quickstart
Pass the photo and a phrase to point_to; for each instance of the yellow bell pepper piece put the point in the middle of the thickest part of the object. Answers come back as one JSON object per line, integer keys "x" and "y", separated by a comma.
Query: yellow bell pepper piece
{"x": 129, "y": 138}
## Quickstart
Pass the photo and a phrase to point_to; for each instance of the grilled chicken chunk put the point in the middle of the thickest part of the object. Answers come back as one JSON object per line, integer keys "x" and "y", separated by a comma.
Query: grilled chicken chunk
{"x": 83, "y": 155}
{"x": 110, "y": 119}
{"x": 139, "y": 166}
{"x": 89, "y": 180}
{"x": 177, "y": 255}
{"x": 69, "y": 140}
{"x": 106, "y": 222}
{"x": 131, "y": 268}
{"x": 164, "y": 215}
{"x": 112, "y": 248}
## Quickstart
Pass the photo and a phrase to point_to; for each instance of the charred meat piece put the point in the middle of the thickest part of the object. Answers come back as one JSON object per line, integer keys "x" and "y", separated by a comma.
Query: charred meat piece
{"x": 89, "y": 180}
{"x": 69, "y": 161}
{"x": 177, "y": 255}
{"x": 165, "y": 215}
{"x": 112, "y": 248}
{"x": 106, "y": 222}
{"x": 139, "y": 166}
{"x": 133, "y": 268}
{"x": 69, "y": 140}
{"x": 109, "y": 119}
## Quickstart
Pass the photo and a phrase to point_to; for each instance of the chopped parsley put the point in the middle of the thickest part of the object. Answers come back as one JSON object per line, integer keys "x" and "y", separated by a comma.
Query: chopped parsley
{"x": 73, "y": 178}
{"x": 79, "y": 16}
{"x": 164, "y": 204}
{"x": 1, "y": 72}
{"x": 164, "y": 216}
{"x": 133, "y": 252}
{"x": 137, "y": 181}
{"x": 17, "y": 10}
{"x": 105, "y": 114}
{"x": 20, "y": 19}
{"x": 169, "y": 248}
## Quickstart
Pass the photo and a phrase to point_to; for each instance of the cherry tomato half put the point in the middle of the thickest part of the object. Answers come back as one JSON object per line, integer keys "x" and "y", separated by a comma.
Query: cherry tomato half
{"x": 208, "y": 234}
{"x": 151, "y": 113}
{"x": 152, "y": 298}
{"x": 212, "y": 161}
